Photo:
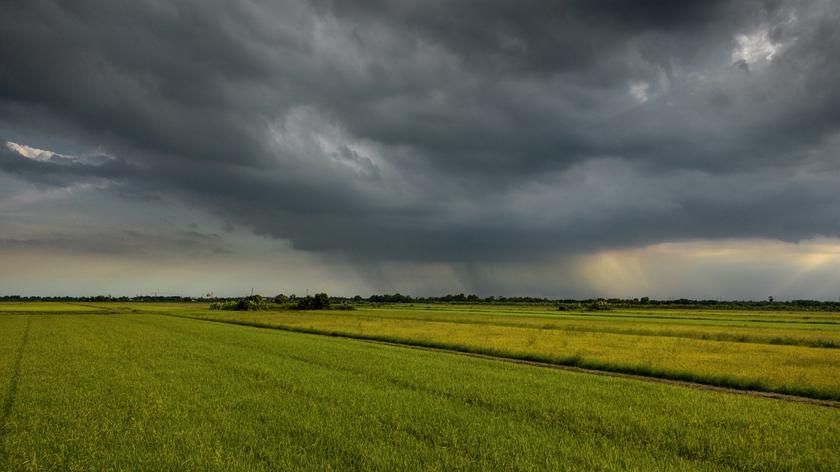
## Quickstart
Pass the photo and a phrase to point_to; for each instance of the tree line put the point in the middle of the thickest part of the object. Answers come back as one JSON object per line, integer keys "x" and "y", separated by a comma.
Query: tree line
{"x": 321, "y": 301}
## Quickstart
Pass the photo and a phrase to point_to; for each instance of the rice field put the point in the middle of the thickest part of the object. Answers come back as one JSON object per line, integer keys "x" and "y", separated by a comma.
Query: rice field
{"x": 146, "y": 391}
{"x": 790, "y": 353}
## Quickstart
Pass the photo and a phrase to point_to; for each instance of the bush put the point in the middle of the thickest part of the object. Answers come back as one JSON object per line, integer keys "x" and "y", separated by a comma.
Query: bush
{"x": 599, "y": 305}
{"x": 321, "y": 301}
{"x": 252, "y": 303}
{"x": 344, "y": 306}
{"x": 227, "y": 305}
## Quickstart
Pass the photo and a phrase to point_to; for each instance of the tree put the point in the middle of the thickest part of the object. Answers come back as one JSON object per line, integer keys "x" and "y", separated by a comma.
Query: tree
{"x": 321, "y": 301}
{"x": 251, "y": 303}
{"x": 281, "y": 299}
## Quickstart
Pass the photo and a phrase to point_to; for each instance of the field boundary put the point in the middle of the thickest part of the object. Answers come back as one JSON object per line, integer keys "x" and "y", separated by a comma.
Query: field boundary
{"x": 570, "y": 363}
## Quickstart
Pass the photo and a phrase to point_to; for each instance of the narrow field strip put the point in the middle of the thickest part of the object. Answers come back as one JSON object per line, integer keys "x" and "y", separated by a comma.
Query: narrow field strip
{"x": 724, "y": 380}
{"x": 636, "y": 315}
{"x": 735, "y": 320}
{"x": 809, "y": 338}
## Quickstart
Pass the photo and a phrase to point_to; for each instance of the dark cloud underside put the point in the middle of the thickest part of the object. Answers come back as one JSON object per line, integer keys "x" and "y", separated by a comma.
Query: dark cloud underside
{"x": 439, "y": 131}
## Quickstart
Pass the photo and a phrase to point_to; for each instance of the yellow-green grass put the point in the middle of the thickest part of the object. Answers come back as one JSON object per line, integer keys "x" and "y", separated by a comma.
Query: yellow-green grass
{"x": 781, "y": 319}
{"x": 48, "y": 307}
{"x": 804, "y": 335}
{"x": 151, "y": 392}
{"x": 722, "y": 317}
{"x": 791, "y": 369}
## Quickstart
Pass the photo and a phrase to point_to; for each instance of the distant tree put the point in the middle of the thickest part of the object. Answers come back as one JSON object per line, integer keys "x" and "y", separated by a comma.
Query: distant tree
{"x": 281, "y": 299}
{"x": 599, "y": 305}
{"x": 386, "y": 298}
{"x": 251, "y": 303}
{"x": 321, "y": 301}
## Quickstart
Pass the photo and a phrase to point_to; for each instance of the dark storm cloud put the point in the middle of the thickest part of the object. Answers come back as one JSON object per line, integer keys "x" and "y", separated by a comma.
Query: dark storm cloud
{"x": 171, "y": 244}
{"x": 441, "y": 130}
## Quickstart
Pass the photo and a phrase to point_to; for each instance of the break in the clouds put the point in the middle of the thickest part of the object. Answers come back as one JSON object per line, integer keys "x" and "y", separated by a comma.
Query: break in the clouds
{"x": 489, "y": 146}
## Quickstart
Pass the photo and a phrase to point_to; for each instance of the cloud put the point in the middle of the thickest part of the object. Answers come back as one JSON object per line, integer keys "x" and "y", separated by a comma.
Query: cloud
{"x": 33, "y": 196}
{"x": 127, "y": 242}
{"x": 460, "y": 133}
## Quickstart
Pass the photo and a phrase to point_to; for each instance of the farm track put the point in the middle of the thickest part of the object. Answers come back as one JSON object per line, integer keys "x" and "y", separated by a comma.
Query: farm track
{"x": 548, "y": 365}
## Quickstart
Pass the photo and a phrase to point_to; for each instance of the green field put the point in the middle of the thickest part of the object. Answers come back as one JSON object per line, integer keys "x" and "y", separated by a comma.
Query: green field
{"x": 129, "y": 389}
{"x": 49, "y": 307}
{"x": 791, "y": 353}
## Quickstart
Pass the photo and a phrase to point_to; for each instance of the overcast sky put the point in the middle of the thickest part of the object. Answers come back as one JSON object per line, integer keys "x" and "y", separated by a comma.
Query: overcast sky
{"x": 564, "y": 149}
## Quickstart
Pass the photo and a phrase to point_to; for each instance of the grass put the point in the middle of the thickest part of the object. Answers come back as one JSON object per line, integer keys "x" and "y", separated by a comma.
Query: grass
{"x": 49, "y": 307}
{"x": 151, "y": 392}
{"x": 760, "y": 357}
{"x": 801, "y": 335}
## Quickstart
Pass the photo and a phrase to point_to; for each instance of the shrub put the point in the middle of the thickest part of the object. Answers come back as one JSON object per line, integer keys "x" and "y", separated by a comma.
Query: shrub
{"x": 599, "y": 305}
{"x": 252, "y": 303}
{"x": 226, "y": 305}
{"x": 321, "y": 301}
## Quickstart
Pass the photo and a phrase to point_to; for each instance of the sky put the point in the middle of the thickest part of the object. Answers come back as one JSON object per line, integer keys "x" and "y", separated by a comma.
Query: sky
{"x": 558, "y": 149}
